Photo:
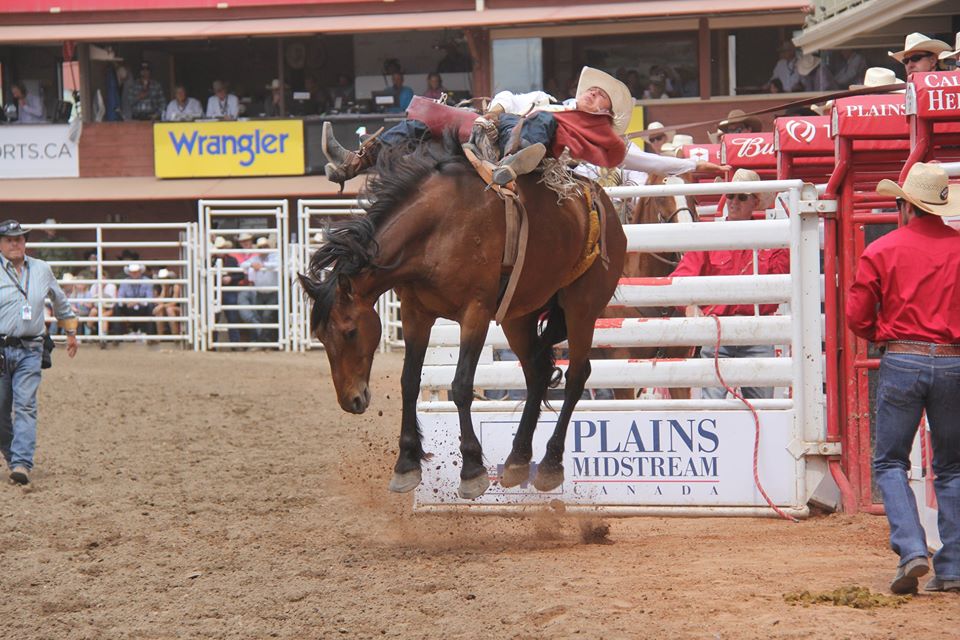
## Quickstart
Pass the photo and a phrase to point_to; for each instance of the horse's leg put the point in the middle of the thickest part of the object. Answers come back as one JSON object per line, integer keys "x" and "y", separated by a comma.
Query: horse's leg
{"x": 537, "y": 369}
{"x": 416, "y": 337}
{"x": 473, "y": 331}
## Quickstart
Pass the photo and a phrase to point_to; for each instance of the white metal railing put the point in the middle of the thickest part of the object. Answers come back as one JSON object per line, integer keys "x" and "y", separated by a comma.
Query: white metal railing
{"x": 107, "y": 309}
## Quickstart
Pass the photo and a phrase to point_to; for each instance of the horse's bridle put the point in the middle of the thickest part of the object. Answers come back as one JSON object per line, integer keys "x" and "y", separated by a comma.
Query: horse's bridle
{"x": 669, "y": 218}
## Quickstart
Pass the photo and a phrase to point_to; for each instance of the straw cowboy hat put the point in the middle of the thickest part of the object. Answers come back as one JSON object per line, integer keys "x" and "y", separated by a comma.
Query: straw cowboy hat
{"x": 620, "y": 99}
{"x": 737, "y": 116}
{"x": 807, "y": 63}
{"x": 671, "y": 148}
{"x": 765, "y": 200}
{"x": 133, "y": 269}
{"x": 222, "y": 243}
{"x": 264, "y": 242}
{"x": 656, "y": 128}
{"x": 874, "y": 77}
{"x": 955, "y": 53}
{"x": 243, "y": 237}
{"x": 926, "y": 187}
{"x": 68, "y": 277}
{"x": 919, "y": 42}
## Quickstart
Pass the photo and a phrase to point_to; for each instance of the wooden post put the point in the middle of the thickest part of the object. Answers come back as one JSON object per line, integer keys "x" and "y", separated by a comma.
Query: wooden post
{"x": 478, "y": 42}
{"x": 86, "y": 100}
{"x": 703, "y": 50}
{"x": 281, "y": 76}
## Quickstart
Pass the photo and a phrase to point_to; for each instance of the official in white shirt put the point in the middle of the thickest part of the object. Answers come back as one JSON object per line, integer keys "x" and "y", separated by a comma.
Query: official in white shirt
{"x": 182, "y": 108}
{"x": 221, "y": 104}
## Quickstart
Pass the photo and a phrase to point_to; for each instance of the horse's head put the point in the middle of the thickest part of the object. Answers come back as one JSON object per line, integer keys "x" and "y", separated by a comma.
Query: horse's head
{"x": 349, "y": 328}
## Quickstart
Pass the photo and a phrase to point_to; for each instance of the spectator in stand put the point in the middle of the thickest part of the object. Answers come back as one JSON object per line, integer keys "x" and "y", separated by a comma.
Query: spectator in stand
{"x": 101, "y": 301}
{"x": 655, "y": 137}
{"x": 402, "y": 94}
{"x": 169, "y": 291}
{"x": 222, "y": 105}
{"x": 434, "y": 87}
{"x": 659, "y": 86}
{"x": 134, "y": 298}
{"x": 54, "y": 253}
{"x": 852, "y": 70}
{"x": 271, "y": 104}
{"x": 814, "y": 76}
{"x": 143, "y": 98}
{"x": 906, "y": 298}
{"x": 247, "y": 297}
{"x": 634, "y": 83}
{"x": 76, "y": 294}
{"x": 30, "y": 108}
{"x": 952, "y": 55}
{"x": 318, "y": 102}
{"x": 774, "y": 86}
{"x": 738, "y": 122}
{"x": 182, "y": 108}
{"x": 231, "y": 277}
{"x": 343, "y": 93}
{"x": 740, "y": 207}
{"x": 263, "y": 271}
{"x": 920, "y": 53}
{"x": 786, "y": 69}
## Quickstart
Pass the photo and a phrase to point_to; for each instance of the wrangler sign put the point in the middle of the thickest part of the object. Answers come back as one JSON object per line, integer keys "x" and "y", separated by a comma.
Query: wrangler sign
{"x": 225, "y": 149}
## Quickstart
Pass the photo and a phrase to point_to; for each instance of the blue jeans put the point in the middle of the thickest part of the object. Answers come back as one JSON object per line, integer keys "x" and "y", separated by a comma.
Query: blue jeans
{"x": 735, "y": 351}
{"x": 907, "y": 385}
{"x": 19, "y": 382}
{"x": 229, "y": 298}
{"x": 539, "y": 127}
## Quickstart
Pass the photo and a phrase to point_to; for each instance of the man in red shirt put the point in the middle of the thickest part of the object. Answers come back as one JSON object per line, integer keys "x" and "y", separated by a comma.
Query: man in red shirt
{"x": 906, "y": 298}
{"x": 740, "y": 207}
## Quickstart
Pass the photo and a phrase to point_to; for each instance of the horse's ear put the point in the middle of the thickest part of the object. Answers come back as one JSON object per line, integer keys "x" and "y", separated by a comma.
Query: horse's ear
{"x": 307, "y": 283}
{"x": 344, "y": 286}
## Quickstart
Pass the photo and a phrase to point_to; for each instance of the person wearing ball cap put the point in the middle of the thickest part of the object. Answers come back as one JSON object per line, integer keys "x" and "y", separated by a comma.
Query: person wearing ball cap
{"x": 906, "y": 299}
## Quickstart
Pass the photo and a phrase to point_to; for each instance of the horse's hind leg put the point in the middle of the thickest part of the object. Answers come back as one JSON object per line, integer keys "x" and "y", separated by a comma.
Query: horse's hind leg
{"x": 473, "y": 331}
{"x": 537, "y": 369}
{"x": 416, "y": 337}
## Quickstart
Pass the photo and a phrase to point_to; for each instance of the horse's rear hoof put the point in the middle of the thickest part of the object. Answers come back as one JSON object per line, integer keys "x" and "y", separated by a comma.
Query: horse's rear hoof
{"x": 514, "y": 475}
{"x": 474, "y": 487}
{"x": 405, "y": 482}
{"x": 548, "y": 479}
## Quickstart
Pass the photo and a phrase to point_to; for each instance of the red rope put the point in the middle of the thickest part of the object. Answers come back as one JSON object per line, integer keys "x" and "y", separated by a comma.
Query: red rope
{"x": 756, "y": 425}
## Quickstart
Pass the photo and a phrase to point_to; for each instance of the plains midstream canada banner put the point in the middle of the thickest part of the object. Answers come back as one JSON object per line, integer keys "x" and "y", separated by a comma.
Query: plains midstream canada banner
{"x": 626, "y": 458}
{"x": 228, "y": 149}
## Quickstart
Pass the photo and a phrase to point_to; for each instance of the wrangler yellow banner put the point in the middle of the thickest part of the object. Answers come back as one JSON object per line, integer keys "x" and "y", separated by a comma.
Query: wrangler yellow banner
{"x": 224, "y": 149}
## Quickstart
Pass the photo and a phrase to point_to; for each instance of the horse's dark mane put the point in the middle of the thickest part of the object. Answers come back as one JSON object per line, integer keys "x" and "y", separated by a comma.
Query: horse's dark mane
{"x": 351, "y": 246}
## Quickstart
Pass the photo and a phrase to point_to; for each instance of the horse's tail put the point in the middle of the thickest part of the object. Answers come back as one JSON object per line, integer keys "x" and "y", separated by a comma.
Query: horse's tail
{"x": 552, "y": 331}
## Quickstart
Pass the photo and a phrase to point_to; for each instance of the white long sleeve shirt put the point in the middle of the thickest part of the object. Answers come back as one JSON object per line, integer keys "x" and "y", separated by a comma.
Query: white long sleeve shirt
{"x": 226, "y": 108}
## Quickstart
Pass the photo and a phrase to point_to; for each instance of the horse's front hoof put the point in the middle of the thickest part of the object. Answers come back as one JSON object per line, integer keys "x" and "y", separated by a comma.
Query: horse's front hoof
{"x": 514, "y": 475}
{"x": 474, "y": 487}
{"x": 405, "y": 482}
{"x": 548, "y": 479}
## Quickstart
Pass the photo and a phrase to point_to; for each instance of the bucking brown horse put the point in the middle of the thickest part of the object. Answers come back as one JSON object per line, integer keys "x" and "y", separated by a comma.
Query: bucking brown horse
{"x": 436, "y": 235}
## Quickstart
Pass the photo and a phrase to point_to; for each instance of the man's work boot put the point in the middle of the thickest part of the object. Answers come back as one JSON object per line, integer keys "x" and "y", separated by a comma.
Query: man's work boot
{"x": 518, "y": 164}
{"x": 20, "y": 475}
{"x": 936, "y": 584}
{"x": 345, "y": 164}
{"x": 906, "y": 579}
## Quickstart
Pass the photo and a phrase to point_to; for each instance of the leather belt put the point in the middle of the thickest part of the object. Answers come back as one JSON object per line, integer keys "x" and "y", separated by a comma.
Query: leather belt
{"x": 13, "y": 341}
{"x": 924, "y": 349}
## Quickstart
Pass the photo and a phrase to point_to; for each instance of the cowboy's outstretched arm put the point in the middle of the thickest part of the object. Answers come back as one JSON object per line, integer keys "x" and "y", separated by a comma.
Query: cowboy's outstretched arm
{"x": 710, "y": 167}
{"x": 639, "y": 160}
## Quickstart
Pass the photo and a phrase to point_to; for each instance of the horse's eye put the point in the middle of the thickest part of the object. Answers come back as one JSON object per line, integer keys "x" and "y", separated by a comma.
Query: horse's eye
{"x": 351, "y": 334}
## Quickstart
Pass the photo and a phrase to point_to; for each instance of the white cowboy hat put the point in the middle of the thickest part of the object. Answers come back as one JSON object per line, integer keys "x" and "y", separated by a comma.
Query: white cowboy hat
{"x": 165, "y": 273}
{"x": 927, "y": 187}
{"x": 243, "y": 237}
{"x": 132, "y": 268}
{"x": 68, "y": 277}
{"x": 222, "y": 243}
{"x": 955, "y": 52}
{"x": 807, "y": 63}
{"x": 919, "y": 42}
{"x": 275, "y": 84}
{"x": 620, "y": 99}
{"x": 877, "y": 77}
{"x": 671, "y": 148}
{"x": 657, "y": 128}
{"x": 264, "y": 242}
{"x": 765, "y": 200}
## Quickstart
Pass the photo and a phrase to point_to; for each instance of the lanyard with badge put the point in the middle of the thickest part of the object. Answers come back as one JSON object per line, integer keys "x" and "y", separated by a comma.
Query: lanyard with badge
{"x": 26, "y": 311}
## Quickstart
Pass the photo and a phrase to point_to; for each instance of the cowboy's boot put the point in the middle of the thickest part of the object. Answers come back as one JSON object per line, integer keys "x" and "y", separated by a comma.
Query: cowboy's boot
{"x": 345, "y": 164}
{"x": 519, "y": 163}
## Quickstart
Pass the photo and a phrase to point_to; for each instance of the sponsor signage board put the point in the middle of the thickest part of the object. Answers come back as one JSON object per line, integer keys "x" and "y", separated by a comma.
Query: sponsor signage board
{"x": 808, "y": 135}
{"x": 38, "y": 151}
{"x": 934, "y": 96}
{"x": 228, "y": 149}
{"x": 748, "y": 151}
{"x": 873, "y": 116}
{"x": 701, "y": 152}
{"x": 629, "y": 458}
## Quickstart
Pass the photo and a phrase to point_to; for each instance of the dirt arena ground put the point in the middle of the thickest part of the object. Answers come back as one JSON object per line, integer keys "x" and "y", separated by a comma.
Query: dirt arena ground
{"x": 183, "y": 495}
